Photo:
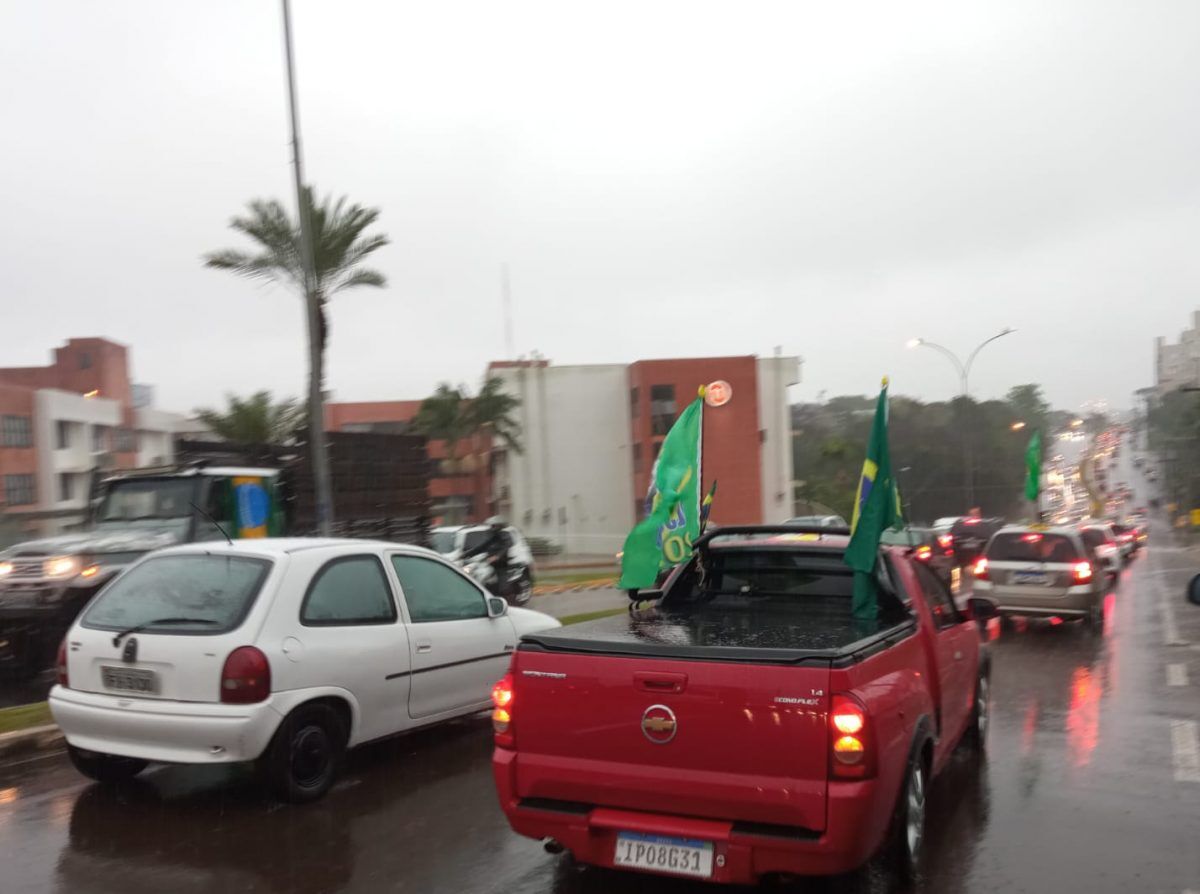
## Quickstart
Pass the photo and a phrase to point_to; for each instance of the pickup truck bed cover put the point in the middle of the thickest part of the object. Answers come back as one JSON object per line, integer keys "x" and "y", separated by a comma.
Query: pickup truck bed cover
{"x": 714, "y": 635}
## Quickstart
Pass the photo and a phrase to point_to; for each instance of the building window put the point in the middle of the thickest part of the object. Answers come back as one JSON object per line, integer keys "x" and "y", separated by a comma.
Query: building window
{"x": 19, "y": 490}
{"x": 85, "y": 360}
{"x": 637, "y": 459}
{"x": 66, "y": 487}
{"x": 657, "y": 449}
{"x": 633, "y": 403}
{"x": 662, "y": 408}
{"x": 99, "y": 438}
{"x": 17, "y": 431}
{"x": 124, "y": 439}
{"x": 62, "y": 432}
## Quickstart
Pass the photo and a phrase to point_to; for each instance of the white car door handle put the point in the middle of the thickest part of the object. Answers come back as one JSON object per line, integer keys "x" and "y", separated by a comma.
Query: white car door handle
{"x": 422, "y": 648}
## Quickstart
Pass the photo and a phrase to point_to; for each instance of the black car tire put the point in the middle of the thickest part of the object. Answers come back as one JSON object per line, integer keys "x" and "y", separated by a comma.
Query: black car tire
{"x": 302, "y": 761}
{"x": 904, "y": 848}
{"x": 108, "y": 769}
{"x": 975, "y": 736}
{"x": 1094, "y": 620}
{"x": 524, "y": 589}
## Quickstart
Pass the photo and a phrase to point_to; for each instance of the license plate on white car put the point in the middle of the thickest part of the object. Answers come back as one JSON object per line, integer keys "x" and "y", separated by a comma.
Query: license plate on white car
{"x": 129, "y": 679}
{"x": 1034, "y": 578}
{"x": 658, "y": 853}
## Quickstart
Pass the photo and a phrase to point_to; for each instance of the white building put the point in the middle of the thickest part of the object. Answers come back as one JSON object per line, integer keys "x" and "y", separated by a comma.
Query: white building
{"x": 1178, "y": 365}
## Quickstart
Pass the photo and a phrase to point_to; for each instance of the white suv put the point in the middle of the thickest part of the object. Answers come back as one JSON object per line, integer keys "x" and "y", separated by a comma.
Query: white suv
{"x": 284, "y": 652}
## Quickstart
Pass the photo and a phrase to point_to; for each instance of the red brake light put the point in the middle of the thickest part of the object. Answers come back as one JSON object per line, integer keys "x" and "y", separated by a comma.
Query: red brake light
{"x": 502, "y": 698}
{"x": 945, "y": 541}
{"x": 850, "y": 739}
{"x": 1083, "y": 572}
{"x": 246, "y": 677}
{"x": 971, "y": 521}
{"x": 924, "y": 553}
{"x": 60, "y": 665}
{"x": 1031, "y": 538}
{"x": 981, "y": 568}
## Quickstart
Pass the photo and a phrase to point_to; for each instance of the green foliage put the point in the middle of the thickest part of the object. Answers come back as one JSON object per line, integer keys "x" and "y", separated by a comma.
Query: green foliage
{"x": 1029, "y": 406}
{"x": 255, "y": 419}
{"x": 1174, "y": 430}
{"x": 450, "y": 414}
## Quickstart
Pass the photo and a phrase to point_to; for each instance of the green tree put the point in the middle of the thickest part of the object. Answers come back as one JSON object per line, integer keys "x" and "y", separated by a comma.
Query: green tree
{"x": 450, "y": 414}
{"x": 1029, "y": 406}
{"x": 255, "y": 419}
{"x": 340, "y": 245}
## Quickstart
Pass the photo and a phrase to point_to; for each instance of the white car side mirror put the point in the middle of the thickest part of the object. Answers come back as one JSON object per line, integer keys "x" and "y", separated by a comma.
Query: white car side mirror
{"x": 496, "y": 607}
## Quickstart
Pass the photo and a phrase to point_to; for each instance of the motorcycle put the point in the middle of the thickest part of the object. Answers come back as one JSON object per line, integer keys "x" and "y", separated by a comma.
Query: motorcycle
{"x": 518, "y": 585}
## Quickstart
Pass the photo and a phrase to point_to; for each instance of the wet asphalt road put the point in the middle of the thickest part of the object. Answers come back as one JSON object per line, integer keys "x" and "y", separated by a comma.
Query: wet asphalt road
{"x": 1089, "y": 786}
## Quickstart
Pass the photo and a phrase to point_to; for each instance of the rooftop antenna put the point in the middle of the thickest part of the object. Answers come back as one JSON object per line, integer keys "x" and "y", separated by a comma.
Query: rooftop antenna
{"x": 506, "y": 299}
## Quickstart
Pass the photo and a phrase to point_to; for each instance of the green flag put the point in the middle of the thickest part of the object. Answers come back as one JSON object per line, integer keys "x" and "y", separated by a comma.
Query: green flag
{"x": 875, "y": 510}
{"x": 664, "y": 537}
{"x": 1033, "y": 466}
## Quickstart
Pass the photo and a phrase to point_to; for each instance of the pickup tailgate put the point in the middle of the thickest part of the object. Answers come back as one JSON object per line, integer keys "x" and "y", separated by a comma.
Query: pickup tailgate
{"x": 734, "y": 741}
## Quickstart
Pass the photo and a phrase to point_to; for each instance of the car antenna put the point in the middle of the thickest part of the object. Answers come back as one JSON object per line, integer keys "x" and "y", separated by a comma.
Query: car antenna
{"x": 216, "y": 524}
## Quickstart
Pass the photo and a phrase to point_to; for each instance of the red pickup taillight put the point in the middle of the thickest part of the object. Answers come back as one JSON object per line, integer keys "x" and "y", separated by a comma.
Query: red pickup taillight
{"x": 1082, "y": 572}
{"x": 60, "y": 665}
{"x": 246, "y": 677}
{"x": 502, "y": 698}
{"x": 980, "y": 570}
{"x": 852, "y": 754}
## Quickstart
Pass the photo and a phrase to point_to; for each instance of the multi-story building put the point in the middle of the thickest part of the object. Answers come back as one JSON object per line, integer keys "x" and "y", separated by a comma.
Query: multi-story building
{"x": 62, "y": 422}
{"x": 1178, "y": 365}
{"x": 591, "y": 435}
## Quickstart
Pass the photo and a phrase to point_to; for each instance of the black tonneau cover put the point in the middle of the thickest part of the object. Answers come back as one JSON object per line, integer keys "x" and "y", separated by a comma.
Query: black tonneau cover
{"x": 712, "y": 635}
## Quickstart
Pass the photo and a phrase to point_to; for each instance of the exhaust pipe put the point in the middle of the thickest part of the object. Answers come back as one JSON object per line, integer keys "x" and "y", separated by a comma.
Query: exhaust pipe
{"x": 552, "y": 846}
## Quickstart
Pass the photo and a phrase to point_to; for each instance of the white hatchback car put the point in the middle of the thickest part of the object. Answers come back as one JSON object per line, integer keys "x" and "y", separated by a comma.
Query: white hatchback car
{"x": 284, "y": 652}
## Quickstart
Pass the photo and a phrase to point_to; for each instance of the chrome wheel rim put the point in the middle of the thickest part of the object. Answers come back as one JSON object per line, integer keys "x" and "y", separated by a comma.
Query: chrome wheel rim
{"x": 915, "y": 825}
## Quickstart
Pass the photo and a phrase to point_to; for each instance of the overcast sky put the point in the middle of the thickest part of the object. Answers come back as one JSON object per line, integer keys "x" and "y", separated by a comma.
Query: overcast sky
{"x": 664, "y": 179}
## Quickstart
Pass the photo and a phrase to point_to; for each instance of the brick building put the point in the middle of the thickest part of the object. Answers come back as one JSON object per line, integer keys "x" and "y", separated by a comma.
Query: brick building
{"x": 60, "y": 422}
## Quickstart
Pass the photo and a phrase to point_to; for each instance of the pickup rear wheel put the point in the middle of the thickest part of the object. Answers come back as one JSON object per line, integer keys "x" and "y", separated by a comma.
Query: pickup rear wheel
{"x": 981, "y": 710}
{"x": 105, "y": 768}
{"x": 302, "y": 760}
{"x": 912, "y": 821}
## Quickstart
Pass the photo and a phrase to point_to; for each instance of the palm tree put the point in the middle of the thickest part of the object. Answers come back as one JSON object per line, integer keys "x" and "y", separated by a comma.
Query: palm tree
{"x": 451, "y": 415}
{"x": 339, "y": 247}
{"x": 255, "y": 419}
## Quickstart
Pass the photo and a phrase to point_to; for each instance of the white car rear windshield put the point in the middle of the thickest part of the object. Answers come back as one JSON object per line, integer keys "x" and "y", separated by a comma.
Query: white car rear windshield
{"x": 180, "y": 594}
{"x": 1032, "y": 547}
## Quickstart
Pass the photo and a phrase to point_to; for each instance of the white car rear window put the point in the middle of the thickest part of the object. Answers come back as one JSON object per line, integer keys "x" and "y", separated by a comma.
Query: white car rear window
{"x": 1032, "y": 547}
{"x": 186, "y": 594}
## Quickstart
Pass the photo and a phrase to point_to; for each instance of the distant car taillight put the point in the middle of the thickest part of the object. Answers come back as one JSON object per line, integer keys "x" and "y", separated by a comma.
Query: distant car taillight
{"x": 1083, "y": 572}
{"x": 852, "y": 754}
{"x": 246, "y": 677}
{"x": 502, "y": 698}
{"x": 924, "y": 553}
{"x": 60, "y": 665}
{"x": 945, "y": 541}
{"x": 981, "y": 569}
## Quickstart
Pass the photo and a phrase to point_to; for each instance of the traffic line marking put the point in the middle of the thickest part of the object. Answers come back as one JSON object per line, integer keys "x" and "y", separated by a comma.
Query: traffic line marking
{"x": 1177, "y": 675}
{"x": 1167, "y": 608}
{"x": 1185, "y": 750}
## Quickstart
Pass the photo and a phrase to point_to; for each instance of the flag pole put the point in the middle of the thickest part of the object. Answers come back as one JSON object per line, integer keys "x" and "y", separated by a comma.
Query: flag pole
{"x": 701, "y": 392}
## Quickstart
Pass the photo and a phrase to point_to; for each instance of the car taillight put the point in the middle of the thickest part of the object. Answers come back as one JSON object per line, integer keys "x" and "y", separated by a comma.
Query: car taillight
{"x": 981, "y": 569}
{"x": 502, "y": 698}
{"x": 60, "y": 665}
{"x": 852, "y": 756}
{"x": 1083, "y": 572}
{"x": 924, "y": 553}
{"x": 945, "y": 541}
{"x": 246, "y": 677}
{"x": 1126, "y": 538}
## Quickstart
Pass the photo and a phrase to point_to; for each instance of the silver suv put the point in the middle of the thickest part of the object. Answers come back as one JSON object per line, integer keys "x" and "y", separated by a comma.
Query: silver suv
{"x": 1042, "y": 571}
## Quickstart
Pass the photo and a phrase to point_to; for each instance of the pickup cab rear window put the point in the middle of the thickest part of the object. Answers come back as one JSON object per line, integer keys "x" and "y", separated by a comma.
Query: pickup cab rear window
{"x": 1032, "y": 547}
{"x": 190, "y": 594}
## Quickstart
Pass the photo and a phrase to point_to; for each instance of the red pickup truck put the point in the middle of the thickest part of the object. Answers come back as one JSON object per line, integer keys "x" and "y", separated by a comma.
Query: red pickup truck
{"x": 746, "y": 725}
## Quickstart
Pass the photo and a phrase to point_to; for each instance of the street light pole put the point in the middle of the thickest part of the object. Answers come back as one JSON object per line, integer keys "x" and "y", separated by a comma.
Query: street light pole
{"x": 964, "y": 390}
{"x": 318, "y": 455}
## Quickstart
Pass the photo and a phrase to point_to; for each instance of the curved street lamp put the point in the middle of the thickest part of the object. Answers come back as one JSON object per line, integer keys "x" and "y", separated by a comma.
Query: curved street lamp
{"x": 964, "y": 390}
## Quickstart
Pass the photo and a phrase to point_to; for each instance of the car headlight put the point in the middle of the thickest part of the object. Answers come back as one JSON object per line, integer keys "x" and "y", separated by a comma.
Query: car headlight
{"x": 5, "y": 568}
{"x": 62, "y": 566}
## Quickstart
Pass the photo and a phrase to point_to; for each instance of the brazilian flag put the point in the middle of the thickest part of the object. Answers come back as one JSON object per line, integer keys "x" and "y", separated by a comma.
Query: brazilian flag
{"x": 876, "y": 509}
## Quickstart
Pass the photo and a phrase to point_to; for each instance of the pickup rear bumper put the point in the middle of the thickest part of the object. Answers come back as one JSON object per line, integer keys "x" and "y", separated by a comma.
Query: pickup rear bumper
{"x": 858, "y": 816}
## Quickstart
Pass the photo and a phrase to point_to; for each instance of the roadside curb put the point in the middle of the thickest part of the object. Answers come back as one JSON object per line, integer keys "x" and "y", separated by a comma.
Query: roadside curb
{"x": 23, "y": 741}
{"x": 579, "y": 586}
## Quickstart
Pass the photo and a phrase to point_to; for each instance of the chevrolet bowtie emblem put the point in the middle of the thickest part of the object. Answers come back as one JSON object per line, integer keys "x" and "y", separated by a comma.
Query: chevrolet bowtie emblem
{"x": 658, "y": 724}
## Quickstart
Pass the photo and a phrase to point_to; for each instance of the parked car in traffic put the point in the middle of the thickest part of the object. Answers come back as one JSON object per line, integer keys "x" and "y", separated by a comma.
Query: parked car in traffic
{"x": 284, "y": 652}
{"x": 971, "y": 535}
{"x": 455, "y": 541}
{"x": 933, "y": 549}
{"x": 1041, "y": 571}
{"x": 749, "y": 726}
{"x": 1102, "y": 539}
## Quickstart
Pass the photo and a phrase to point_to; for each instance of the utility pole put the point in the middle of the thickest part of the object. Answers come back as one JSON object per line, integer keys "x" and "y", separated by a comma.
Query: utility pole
{"x": 319, "y": 456}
